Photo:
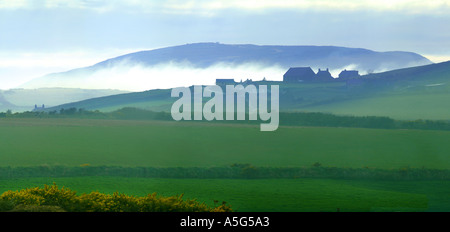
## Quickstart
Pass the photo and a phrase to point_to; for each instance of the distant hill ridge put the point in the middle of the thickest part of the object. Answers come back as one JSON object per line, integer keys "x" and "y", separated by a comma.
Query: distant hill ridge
{"x": 207, "y": 54}
{"x": 204, "y": 55}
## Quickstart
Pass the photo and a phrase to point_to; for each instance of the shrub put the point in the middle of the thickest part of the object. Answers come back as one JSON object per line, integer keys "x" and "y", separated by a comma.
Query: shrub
{"x": 6, "y": 205}
{"x": 37, "y": 208}
{"x": 317, "y": 164}
{"x": 51, "y": 198}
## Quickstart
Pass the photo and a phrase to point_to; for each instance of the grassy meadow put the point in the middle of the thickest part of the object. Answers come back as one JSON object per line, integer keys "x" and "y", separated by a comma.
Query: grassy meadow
{"x": 131, "y": 143}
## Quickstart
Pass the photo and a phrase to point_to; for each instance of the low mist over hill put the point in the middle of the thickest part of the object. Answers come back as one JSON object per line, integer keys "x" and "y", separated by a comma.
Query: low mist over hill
{"x": 26, "y": 99}
{"x": 202, "y": 63}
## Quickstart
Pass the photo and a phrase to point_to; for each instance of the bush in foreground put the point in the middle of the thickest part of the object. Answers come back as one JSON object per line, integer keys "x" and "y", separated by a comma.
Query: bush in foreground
{"x": 54, "y": 199}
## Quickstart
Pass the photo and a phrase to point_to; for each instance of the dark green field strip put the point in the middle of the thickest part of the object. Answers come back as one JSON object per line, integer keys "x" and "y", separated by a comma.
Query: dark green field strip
{"x": 289, "y": 118}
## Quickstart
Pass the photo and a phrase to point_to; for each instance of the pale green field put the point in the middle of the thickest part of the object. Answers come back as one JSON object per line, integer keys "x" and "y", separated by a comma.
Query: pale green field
{"x": 434, "y": 106}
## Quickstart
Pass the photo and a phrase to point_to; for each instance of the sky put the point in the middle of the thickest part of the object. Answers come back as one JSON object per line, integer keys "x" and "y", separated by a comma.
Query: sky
{"x": 38, "y": 37}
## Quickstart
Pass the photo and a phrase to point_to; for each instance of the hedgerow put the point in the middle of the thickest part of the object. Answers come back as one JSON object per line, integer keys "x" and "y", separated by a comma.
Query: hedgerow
{"x": 235, "y": 171}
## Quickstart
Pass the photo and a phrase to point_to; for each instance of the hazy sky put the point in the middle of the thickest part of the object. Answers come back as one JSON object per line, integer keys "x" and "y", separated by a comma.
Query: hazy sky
{"x": 42, "y": 36}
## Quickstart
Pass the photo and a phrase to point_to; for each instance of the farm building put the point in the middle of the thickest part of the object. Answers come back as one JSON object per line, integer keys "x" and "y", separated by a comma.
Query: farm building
{"x": 348, "y": 74}
{"x": 225, "y": 82}
{"x": 324, "y": 75}
{"x": 299, "y": 74}
{"x": 37, "y": 108}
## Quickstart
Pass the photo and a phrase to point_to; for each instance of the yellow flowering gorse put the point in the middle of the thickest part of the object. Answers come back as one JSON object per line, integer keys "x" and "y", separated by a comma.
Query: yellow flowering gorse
{"x": 99, "y": 202}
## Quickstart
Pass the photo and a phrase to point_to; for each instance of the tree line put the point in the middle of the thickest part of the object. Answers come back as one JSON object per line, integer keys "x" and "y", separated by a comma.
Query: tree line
{"x": 313, "y": 119}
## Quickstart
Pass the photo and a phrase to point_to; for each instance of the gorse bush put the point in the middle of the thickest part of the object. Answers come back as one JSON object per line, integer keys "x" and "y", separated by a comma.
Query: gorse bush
{"x": 63, "y": 199}
{"x": 6, "y": 205}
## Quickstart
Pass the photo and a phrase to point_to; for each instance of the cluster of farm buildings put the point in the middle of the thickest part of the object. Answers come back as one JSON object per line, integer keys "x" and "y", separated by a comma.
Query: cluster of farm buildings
{"x": 305, "y": 74}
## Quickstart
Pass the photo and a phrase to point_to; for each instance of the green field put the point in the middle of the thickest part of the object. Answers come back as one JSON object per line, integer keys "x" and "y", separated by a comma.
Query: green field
{"x": 271, "y": 195}
{"x": 127, "y": 143}
{"x": 73, "y": 142}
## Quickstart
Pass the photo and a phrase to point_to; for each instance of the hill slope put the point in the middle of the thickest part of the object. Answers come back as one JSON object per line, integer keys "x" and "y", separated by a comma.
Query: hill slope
{"x": 412, "y": 93}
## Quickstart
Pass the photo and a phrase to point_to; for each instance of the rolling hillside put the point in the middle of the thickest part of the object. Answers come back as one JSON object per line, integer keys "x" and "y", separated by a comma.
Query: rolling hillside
{"x": 412, "y": 93}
